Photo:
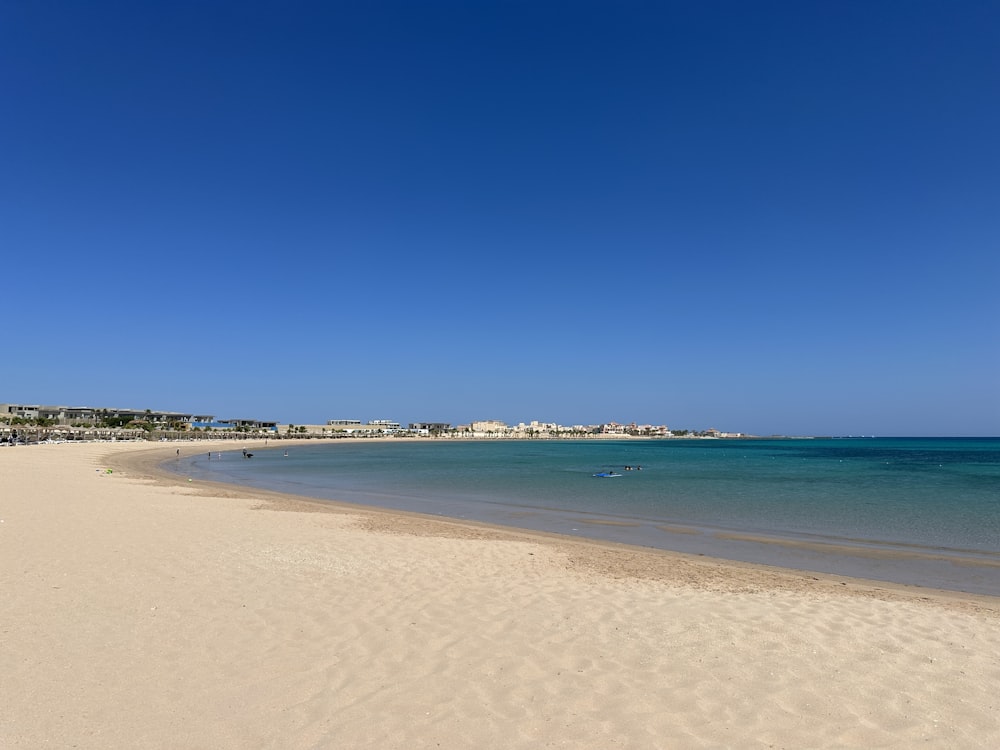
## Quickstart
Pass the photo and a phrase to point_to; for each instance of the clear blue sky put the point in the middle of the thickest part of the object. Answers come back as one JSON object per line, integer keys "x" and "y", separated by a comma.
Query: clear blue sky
{"x": 769, "y": 217}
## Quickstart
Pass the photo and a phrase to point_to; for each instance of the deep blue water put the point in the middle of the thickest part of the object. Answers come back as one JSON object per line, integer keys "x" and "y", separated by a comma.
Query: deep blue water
{"x": 911, "y": 510}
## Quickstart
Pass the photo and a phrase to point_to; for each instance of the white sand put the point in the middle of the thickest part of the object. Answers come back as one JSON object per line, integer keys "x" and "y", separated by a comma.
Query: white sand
{"x": 142, "y": 612}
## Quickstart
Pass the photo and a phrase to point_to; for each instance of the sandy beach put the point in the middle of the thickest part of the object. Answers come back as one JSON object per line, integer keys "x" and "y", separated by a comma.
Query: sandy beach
{"x": 141, "y": 610}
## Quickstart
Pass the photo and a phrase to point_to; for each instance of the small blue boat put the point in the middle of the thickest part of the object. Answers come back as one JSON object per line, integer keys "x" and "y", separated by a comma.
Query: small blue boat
{"x": 607, "y": 474}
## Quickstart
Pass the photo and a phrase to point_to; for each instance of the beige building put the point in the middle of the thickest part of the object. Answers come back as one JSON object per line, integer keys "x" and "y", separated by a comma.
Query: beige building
{"x": 489, "y": 426}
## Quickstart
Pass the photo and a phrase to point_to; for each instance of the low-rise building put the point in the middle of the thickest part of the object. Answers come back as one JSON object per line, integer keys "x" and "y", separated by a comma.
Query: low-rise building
{"x": 489, "y": 426}
{"x": 429, "y": 426}
{"x": 70, "y": 414}
{"x": 249, "y": 424}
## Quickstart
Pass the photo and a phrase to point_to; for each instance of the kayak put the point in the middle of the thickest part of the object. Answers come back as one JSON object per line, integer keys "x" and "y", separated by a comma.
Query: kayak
{"x": 607, "y": 474}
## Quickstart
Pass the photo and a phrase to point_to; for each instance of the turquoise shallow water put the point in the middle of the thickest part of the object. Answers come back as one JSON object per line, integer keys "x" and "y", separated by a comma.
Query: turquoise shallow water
{"x": 909, "y": 510}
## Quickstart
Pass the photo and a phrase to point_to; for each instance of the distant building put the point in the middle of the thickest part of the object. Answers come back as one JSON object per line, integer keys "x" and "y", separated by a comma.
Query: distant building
{"x": 249, "y": 424}
{"x": 489, "y": 427}
{"x": 535, "y": 426}
{"x": 430, "y": 426}
{"x": 69, "y": 414}
{"x": 386, "y": 426}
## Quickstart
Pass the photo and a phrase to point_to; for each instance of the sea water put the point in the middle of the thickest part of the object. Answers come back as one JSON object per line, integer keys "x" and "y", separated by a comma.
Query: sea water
{"x": 920, "y": 511}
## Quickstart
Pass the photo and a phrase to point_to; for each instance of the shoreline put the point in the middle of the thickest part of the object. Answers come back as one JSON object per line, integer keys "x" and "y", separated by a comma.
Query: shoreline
{"x": 149, "y": 612}
{"x": 880, "y": 562}
{"x": 656, "y": 561}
